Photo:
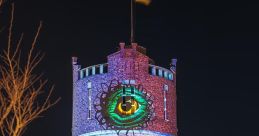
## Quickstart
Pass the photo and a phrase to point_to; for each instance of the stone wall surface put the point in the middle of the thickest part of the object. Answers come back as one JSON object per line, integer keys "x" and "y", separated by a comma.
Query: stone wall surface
{"x": 126, "y": 64}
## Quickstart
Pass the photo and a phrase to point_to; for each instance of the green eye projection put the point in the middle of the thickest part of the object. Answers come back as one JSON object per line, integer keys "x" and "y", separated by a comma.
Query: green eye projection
{"x": 127, "y": 107}
{"x": 124, "y": 107}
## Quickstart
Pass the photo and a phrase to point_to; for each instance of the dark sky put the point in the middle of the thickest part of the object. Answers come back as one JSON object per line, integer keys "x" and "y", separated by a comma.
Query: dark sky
{"x": 216, "y": 43}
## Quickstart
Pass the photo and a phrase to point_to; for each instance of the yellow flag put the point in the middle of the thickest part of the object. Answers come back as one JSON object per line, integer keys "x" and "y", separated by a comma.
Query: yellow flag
{"x": 145, "y": 2}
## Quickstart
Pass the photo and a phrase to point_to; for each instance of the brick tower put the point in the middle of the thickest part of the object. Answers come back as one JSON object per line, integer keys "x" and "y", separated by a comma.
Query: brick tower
{"x": 128, "y": 95}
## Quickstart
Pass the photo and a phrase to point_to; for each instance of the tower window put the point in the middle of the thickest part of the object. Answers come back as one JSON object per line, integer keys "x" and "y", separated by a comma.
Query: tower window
{"x": 89, "y": 88}
{"x": 165, "y": 87}
{"x": 89, "y": 85}
{"x": 165, "y": 90}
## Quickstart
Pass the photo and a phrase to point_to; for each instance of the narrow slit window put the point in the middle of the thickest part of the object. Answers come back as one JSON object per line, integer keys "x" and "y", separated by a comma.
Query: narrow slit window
{"x": 89, "y": 88}
{"x": 165, "y": 90}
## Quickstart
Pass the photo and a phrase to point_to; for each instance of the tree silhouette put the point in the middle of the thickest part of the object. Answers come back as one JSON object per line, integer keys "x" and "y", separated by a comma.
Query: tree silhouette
{"x": 21, "y": 89}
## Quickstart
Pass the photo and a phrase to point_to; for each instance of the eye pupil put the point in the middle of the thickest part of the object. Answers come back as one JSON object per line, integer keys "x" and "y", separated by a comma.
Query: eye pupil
{"x": 128, "y": 105}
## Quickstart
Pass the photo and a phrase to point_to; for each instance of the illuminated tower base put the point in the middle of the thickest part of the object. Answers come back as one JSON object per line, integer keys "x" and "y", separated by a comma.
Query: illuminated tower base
{"x": 135, "y": 133}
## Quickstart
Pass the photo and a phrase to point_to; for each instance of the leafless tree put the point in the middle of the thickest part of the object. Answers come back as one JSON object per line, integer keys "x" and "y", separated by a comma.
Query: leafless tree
{"x": 21, "y": 88}
{"x": 1, "y": 2}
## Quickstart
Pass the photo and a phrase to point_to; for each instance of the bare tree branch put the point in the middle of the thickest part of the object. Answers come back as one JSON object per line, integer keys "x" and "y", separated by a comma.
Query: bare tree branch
{"x": 1, "y": 3}
{"x": 20, "y": 87}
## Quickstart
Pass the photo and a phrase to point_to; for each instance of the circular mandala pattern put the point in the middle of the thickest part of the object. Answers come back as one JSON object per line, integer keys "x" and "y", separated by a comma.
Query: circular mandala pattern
{"x": 124, "y": 107}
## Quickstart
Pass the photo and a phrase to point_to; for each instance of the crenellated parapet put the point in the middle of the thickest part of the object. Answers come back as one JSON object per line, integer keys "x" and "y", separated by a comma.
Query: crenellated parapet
{"x": 103, "y": 69}
{"x": 161, "y": 72}
{"x": 93, "y": 70}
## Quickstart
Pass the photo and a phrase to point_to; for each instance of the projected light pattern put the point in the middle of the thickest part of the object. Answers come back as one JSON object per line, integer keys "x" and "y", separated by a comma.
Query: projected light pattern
{"x": 124, "y": 107}
{"x": 129, "y": 95}
{"x": 136, "y": 133}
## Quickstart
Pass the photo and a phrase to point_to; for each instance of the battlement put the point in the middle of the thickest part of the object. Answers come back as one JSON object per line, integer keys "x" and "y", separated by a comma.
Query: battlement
{"x": 160, "y": 71}
{"x": 93, "y": 70}
{"x": 103, "y": 69}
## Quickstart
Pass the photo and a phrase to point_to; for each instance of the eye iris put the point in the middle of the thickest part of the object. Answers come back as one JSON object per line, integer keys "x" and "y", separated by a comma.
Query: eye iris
{"x": 129, "y": 107}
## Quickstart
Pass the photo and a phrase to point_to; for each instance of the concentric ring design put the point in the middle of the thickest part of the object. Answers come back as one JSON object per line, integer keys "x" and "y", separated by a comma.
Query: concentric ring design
{"x": 124, "y": 107}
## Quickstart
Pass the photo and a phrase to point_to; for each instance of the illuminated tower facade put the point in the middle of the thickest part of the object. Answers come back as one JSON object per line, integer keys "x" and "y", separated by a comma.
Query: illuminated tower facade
{"x": 128, "y": 95}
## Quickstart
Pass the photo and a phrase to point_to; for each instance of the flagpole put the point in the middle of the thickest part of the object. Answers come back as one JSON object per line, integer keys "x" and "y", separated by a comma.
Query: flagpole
{"x": 132, "y": 37}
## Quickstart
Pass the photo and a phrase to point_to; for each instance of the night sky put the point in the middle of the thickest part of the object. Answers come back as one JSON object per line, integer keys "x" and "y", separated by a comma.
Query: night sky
{"x": 216, "y": 44}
